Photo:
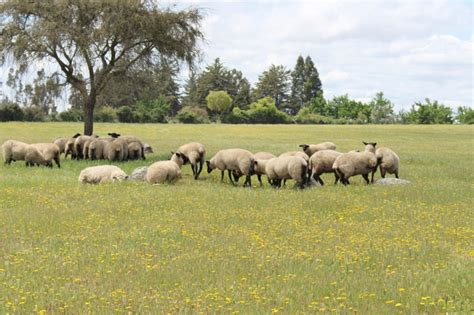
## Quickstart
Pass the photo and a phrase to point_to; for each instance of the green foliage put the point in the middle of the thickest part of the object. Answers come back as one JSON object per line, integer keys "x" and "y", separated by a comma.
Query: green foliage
{"x": 72, "y": 114}
{"x": 351, "y": 110}
{"x": 382, "y": 110}
{"x": 307, "y": 116}
{"x": 10, "y": 112}
{"x": 126, "y": 114}
{"x": 106, "y": 114}
{"x": 192, "y": 115}
{"x": 264, "y": 111}
{"x": 153, "y": 111}
{"x": 305, "y": 83}
{"x": 465, "y": 115}
{"x": 274, "y": 83}
{"x": 430, "y": 113}
{"x": 219, "y": 101}
{"x": 34, "y": 113}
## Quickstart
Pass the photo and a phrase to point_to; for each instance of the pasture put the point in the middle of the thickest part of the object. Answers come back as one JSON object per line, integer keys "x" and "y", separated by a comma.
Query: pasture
{"x": 203, "y": 246}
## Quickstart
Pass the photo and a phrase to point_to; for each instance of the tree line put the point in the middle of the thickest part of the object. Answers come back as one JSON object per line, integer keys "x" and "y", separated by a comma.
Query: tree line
{"x": 121, "y": 61}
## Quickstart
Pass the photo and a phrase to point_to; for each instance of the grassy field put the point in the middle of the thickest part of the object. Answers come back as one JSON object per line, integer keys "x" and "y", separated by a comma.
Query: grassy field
{"x": 203, "y": 246}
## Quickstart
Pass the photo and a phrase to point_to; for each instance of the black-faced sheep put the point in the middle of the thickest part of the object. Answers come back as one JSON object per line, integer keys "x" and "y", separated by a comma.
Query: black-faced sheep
{"x": 388, "y": 161}
{"x": 166, "y": 171}
{"x": 101, "y": 174}
{"x": 287, "y": 167}
{"x": 310, "y": 149}
{"x": 117, "y": 150}
{"x": 259, "y": 168}
{"x": 50, "y": 152}
{"x": 237, "y": 160}
{"x": 356, "y": 163}
{"x": 195, "y": 152}
{"x": 14, "y": 150}
{"x": 69, "y": 147}
{"x": 321, "y": 162}
{"x": 34, "y": 157}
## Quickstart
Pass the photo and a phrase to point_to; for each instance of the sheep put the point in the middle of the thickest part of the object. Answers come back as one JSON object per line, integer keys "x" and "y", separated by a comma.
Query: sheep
{"x": 85, "y": 148}
{"x": 195, "y": 152}
{"x": 69, "y": 147}
{"x": 310, "y": 149}
{"x": 356, "y": 163}
{"x": 97, "y": 149}
{"x": 296, "y": 153}
{"x": 50, "y": 152}
{"x": 117, "y": 150}
{"x": 147, "y": 148}
{"x": 321, "y": 162}
{"x": 34, "y": 157}
{"x": 388, "y": 161}
{"x": 79, "y": 146}
{"x": 101, "y": 174}
{"x": 259, "y": 168}
{"x": 61, "y": 143}
{"x": 14, "y": 150}
{"x": 134, "y": 150}
{"x": 129, "y": 140}
{"x": 237, "y": 160}
{"x": 287, "y": 167}
{"x": 166, "y": 171}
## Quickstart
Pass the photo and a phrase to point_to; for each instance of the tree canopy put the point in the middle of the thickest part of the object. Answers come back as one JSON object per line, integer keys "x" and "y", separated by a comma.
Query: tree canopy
{"x": 91, "y": 41}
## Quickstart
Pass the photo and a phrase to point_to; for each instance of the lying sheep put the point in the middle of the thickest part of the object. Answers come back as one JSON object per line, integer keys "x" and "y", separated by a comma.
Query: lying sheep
{"x": 101, "y": 174}
{"x": 259, "y": 168}
{"x": 388, "y": 161}
{"x": 321, "y": 162}
{"x": 195, "y": 152}
{"x": 166, "y": 171}
{"x": 34, "y": 157}
{"x": 50, "y": 152}
{"x": 356, "y": 163}
{"x": 237, "y": 160}
{"x": 310, "y": 149}
{"x": 287, "y": 167}
{"x": 14, "y": 151}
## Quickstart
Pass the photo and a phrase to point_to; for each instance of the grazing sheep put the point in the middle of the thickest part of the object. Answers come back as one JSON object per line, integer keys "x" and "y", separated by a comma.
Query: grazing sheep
{"x": 237, "y": 160}
{"x": 134, "y": 150}
{"x": 97, "y": 149}
{"x": 388, "y": 161}
{"x": 85, "y": 148}
{"x": 310, "y": 149}
{"x": 129, "y": 140}
{"x": 287, "y": 167}
{"x": 14, "y": 151}
{"x": 34, "y": 157}
{"x": 61, "y": 143}
{"x": 117, "y": 150}
{"x": 321, "y": 162}
{"x": 147, "y": 148}
{"x": 166, "y": 171}
{"x": 195, "y": 152}
{"x": 356, "y": 163}
{"x": 296, "y": 153}
{"x": 79, "y": 146}
{"x": 101, "y": 174}
{"x": 69, "y": 147}
{"x": 50, "y": 152}
{"x": 259, "y": 168}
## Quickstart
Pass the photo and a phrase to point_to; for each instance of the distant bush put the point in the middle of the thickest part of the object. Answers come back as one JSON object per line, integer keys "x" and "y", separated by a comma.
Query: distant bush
{"x": 34, "y": 113}
{"x": 105, "y": 114}
{"x": 10, "y": 112}
{"x": 125, "y": 114}
{"x": 72, "y": 114}
{"x": 192, "y": 115}
{"x": 262, "y": 111}
{"x": 305, "y": 116}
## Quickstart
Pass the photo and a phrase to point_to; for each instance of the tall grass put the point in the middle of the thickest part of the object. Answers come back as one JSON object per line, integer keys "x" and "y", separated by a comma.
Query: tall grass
{"x": 204, "y": 246}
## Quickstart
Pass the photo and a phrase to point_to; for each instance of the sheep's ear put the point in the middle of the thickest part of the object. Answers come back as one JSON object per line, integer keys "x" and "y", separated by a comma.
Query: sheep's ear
{"x": 255, "y": 163}
{"x": 365, "y": 143}
{"x": 76, "y": 135}
{"x": 172, "y": 153}
{"x": 374, "y": 143}
{"x": 177, "y": 154}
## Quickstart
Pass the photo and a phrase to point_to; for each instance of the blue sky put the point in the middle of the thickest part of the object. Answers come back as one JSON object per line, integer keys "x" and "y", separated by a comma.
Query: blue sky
{"x": 408, "y": 49}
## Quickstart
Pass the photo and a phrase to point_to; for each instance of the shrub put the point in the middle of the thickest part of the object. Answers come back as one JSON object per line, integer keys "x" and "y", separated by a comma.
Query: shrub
{"x": 264, "y": 111}
{"x": 34, "y": 113}
{"x": 10, "y": 112}
{"x": 72, "y": 114}
{"x": 192, "y": 115}
{"x": 125, "y": 114}
{"x": 237, "y": 116}
{"x": 305, "y": 116}
{"x": 105, "y": 114}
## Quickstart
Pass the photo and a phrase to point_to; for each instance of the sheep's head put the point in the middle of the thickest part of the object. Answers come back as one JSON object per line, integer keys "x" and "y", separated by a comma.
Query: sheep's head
{"x": 253, "y": 167}
{"x": 370, "y": 146}
{"x": 304, "y": 147}
{"x": 119, "y": 176}
{"x": 209, "y": 167}
{"x": 114, "y": 135}
{"x": 236, "y": 175}
{"x": 179, "y": 158}
{"x": 147, "y": 148}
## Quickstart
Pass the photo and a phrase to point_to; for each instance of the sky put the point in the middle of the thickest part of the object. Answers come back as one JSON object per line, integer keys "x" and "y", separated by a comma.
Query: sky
{"x": 409, "y": 49}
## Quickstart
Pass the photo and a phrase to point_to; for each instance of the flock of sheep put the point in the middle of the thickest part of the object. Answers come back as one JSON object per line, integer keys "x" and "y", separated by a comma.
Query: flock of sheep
{"x": 300, "y": 166}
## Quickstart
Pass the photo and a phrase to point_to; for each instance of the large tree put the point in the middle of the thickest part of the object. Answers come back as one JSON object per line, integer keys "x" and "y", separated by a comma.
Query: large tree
{"x": 92, "y": 41}
{"x": 274, "y": 83}
{"x": 305, "y": 83}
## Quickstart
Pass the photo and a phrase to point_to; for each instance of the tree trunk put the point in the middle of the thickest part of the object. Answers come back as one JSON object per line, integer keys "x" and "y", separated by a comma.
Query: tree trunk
{"x": 89, "y": 115}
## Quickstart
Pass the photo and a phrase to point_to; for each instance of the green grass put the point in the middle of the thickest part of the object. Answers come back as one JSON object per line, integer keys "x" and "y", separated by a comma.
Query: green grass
{"x": 203, "y": 246}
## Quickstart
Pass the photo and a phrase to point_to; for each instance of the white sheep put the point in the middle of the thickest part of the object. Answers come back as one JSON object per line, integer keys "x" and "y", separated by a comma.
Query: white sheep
{"x": 129, "y": 140}
{"x": 296, "y": 153}
{"x": 79, "y": 146}
{"x": 135, "y": 150}
{"x": 195, "y": 152}
{"x": 61, "y": 143}
{"x": 117, "y": 150}
{"x": 310, "y": 149}
{"x": 69, "y": 147}
{"x": 97, "y": 148}
{"x": 50, "y": 152}
{"x": 34, "y": 157}
{"x": 287, "y": 167}
{"x": 14, "y": 150}
{"x": 85, "y": 148}
{"x": 259, "y": 168}
{"x": 321, "y": 162}
{"x": 101, "y": 174}
{"x": 166, "y": 171}
{"x": 388, "y": 161}
{"x": 356, "y": 163}
{"x": 232, "y": 160}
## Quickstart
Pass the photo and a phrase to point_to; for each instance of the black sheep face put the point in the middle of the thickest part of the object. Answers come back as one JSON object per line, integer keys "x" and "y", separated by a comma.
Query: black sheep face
{"x": 209, "y": 167}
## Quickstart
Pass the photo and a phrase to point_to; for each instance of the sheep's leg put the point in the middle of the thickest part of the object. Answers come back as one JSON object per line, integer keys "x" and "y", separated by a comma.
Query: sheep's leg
{"x": 201, "y": 162}
{"x": 382, "y": 171}
{"x": 366, "y": 177}
{"x": 337, "y": 178}
{"x": 284, "y": 182}
{"x": 259, "y": 177}
{"x": 56, "y": 159}
{"x": 373, "y": 172}
{"x": 222, "y": 176}
{"x": 194, "y": 172}
{"x": 229, "y": 172}
{"x": 396, "y": 173}
{"x": 318, "y": 179}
